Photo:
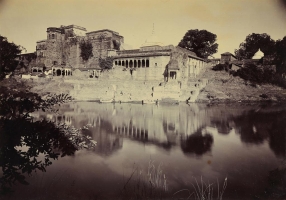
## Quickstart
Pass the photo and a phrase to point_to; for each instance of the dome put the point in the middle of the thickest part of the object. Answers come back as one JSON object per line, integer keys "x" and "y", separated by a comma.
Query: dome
{"x": 152, "y": 40}
{"x": 258, "y": 55}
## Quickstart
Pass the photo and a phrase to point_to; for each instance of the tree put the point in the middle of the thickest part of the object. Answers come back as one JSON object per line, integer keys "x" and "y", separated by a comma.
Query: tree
{"x": 8, "y": 53}
{"x": 201, "y": 42}
{"x": 43, "y": 140}
{"x": 252, "y": 43}
{"x": 86, "y": 50}
{"x": 280, "y": 55}
{"x": 106, "y": 63}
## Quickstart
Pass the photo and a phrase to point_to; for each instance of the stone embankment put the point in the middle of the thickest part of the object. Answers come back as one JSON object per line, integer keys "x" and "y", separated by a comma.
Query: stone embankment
{"x": 120, "y": 91}
{"x": 208, "y": 86}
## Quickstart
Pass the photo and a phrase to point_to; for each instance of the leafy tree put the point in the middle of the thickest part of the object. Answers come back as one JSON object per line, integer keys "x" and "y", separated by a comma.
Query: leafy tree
{"x": 280, "y": 55}
{"x": 106, "y": 63}
{"x": 201, "y": 42}
{"x": 85, "y": 49}
{"x": 8, "y": 53}
{"x": 39, "y": 137}
{"x": 252, "y": 43}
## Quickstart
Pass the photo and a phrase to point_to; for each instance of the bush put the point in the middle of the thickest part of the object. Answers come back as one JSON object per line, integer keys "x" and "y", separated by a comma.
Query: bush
{"x": 220, "y": 67}
{"x": 85, "y": 50}
{"x": 251, "y": 73}
{"x": 106, "y": 63}
{"x": 258, "y": 75}
{"x": 279, "y": 80}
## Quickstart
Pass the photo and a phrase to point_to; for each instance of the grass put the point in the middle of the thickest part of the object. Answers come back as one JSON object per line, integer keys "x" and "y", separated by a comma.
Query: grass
{"x": 151, "y": 184}
{"x": 205, "y": 191}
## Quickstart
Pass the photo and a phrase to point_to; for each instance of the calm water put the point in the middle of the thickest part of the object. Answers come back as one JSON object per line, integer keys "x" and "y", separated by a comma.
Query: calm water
{"x": 245, "y": 143}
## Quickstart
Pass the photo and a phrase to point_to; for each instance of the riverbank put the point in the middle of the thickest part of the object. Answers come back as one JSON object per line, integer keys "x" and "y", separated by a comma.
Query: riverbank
{"x": 223, "y": 87}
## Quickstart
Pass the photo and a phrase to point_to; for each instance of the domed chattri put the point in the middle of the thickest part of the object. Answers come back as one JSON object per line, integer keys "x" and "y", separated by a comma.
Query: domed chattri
{"x": 258, "y": 55}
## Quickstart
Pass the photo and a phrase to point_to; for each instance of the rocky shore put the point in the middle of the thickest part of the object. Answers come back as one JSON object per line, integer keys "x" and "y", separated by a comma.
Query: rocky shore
{"x": 223, "y": 87}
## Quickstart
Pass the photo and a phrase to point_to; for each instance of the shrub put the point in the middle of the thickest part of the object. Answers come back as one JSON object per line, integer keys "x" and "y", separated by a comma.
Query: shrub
{"x": 85, "y": 50}
{"x": 279, "y": 80}
{"x": 218, "y": 67}
{"x": 258, "y": 75}
{"x": 251, "y": 73}
{"x": 221, "y": 67}
{"x": 106, "y": 63}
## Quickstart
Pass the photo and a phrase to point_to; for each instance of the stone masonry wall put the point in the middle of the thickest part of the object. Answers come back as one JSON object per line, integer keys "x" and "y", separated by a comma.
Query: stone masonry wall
{"x": 54, "y": 51}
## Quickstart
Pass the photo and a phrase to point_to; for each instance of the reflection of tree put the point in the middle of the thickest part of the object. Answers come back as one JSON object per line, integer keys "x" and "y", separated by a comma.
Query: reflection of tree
{"x": 222, "y": 126}
{"x": 276, "y": 187}
{"x": 197, "y": 143}
{"x": 277, "y": 136}
{"x": 254, "y": 127}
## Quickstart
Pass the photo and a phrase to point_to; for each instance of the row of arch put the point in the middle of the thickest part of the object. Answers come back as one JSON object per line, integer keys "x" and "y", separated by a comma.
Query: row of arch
{"x": 132, "y": 131}
{"x": 133, "y": 63}
{"x": 62, "y": 72}
{"x": 37, "y": 69}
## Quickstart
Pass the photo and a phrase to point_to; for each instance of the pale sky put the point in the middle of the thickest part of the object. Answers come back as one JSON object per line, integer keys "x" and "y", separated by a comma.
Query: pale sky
{"x": 24, "y": 22}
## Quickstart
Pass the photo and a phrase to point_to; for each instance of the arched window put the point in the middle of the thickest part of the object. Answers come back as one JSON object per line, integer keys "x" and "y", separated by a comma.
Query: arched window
{"x": 143, "y": 63}
{"x": 126, "y": 62}
{"x": 135, "y": 63}
{"x": 59, "y": 72}
{"x": 139, "y": 63}
{"x": 123, "y": 64}
{"x": 53, "y": 36}
{"x": 147, "y": 63}
{"x": 115, "y": 62}
{"x": 130, "y": 63}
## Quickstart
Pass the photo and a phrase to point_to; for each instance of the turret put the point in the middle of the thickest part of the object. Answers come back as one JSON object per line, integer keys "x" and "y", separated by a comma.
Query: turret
{"x": 54, "y": 33}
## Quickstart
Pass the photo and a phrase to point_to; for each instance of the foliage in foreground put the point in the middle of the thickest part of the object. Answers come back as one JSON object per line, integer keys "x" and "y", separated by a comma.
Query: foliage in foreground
{"x": 27, "y": 145}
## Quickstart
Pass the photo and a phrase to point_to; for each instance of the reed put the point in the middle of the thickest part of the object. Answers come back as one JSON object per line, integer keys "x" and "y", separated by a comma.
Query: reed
{"x": 151, "y": 184}
{"x": 205, "y": 191}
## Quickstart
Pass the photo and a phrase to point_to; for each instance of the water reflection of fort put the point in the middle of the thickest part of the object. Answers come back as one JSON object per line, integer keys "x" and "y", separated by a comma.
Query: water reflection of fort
{"x": 166, "y": 125}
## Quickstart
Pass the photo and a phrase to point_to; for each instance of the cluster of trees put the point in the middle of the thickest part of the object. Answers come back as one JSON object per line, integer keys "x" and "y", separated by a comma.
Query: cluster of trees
{"x": 203, "y": 43}
{"x": 274, "y": 49}
{"x": 8, "y": 54}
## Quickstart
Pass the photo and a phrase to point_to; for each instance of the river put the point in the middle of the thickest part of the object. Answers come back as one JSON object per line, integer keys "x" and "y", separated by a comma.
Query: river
{"x": 240, "y": 145}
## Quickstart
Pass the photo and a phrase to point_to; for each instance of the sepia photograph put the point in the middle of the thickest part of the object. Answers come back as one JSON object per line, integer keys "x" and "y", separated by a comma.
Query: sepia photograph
{"x": 142, "y": 99}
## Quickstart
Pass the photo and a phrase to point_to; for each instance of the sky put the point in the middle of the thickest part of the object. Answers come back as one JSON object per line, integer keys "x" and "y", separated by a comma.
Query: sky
{"x": 25, "y": 22}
